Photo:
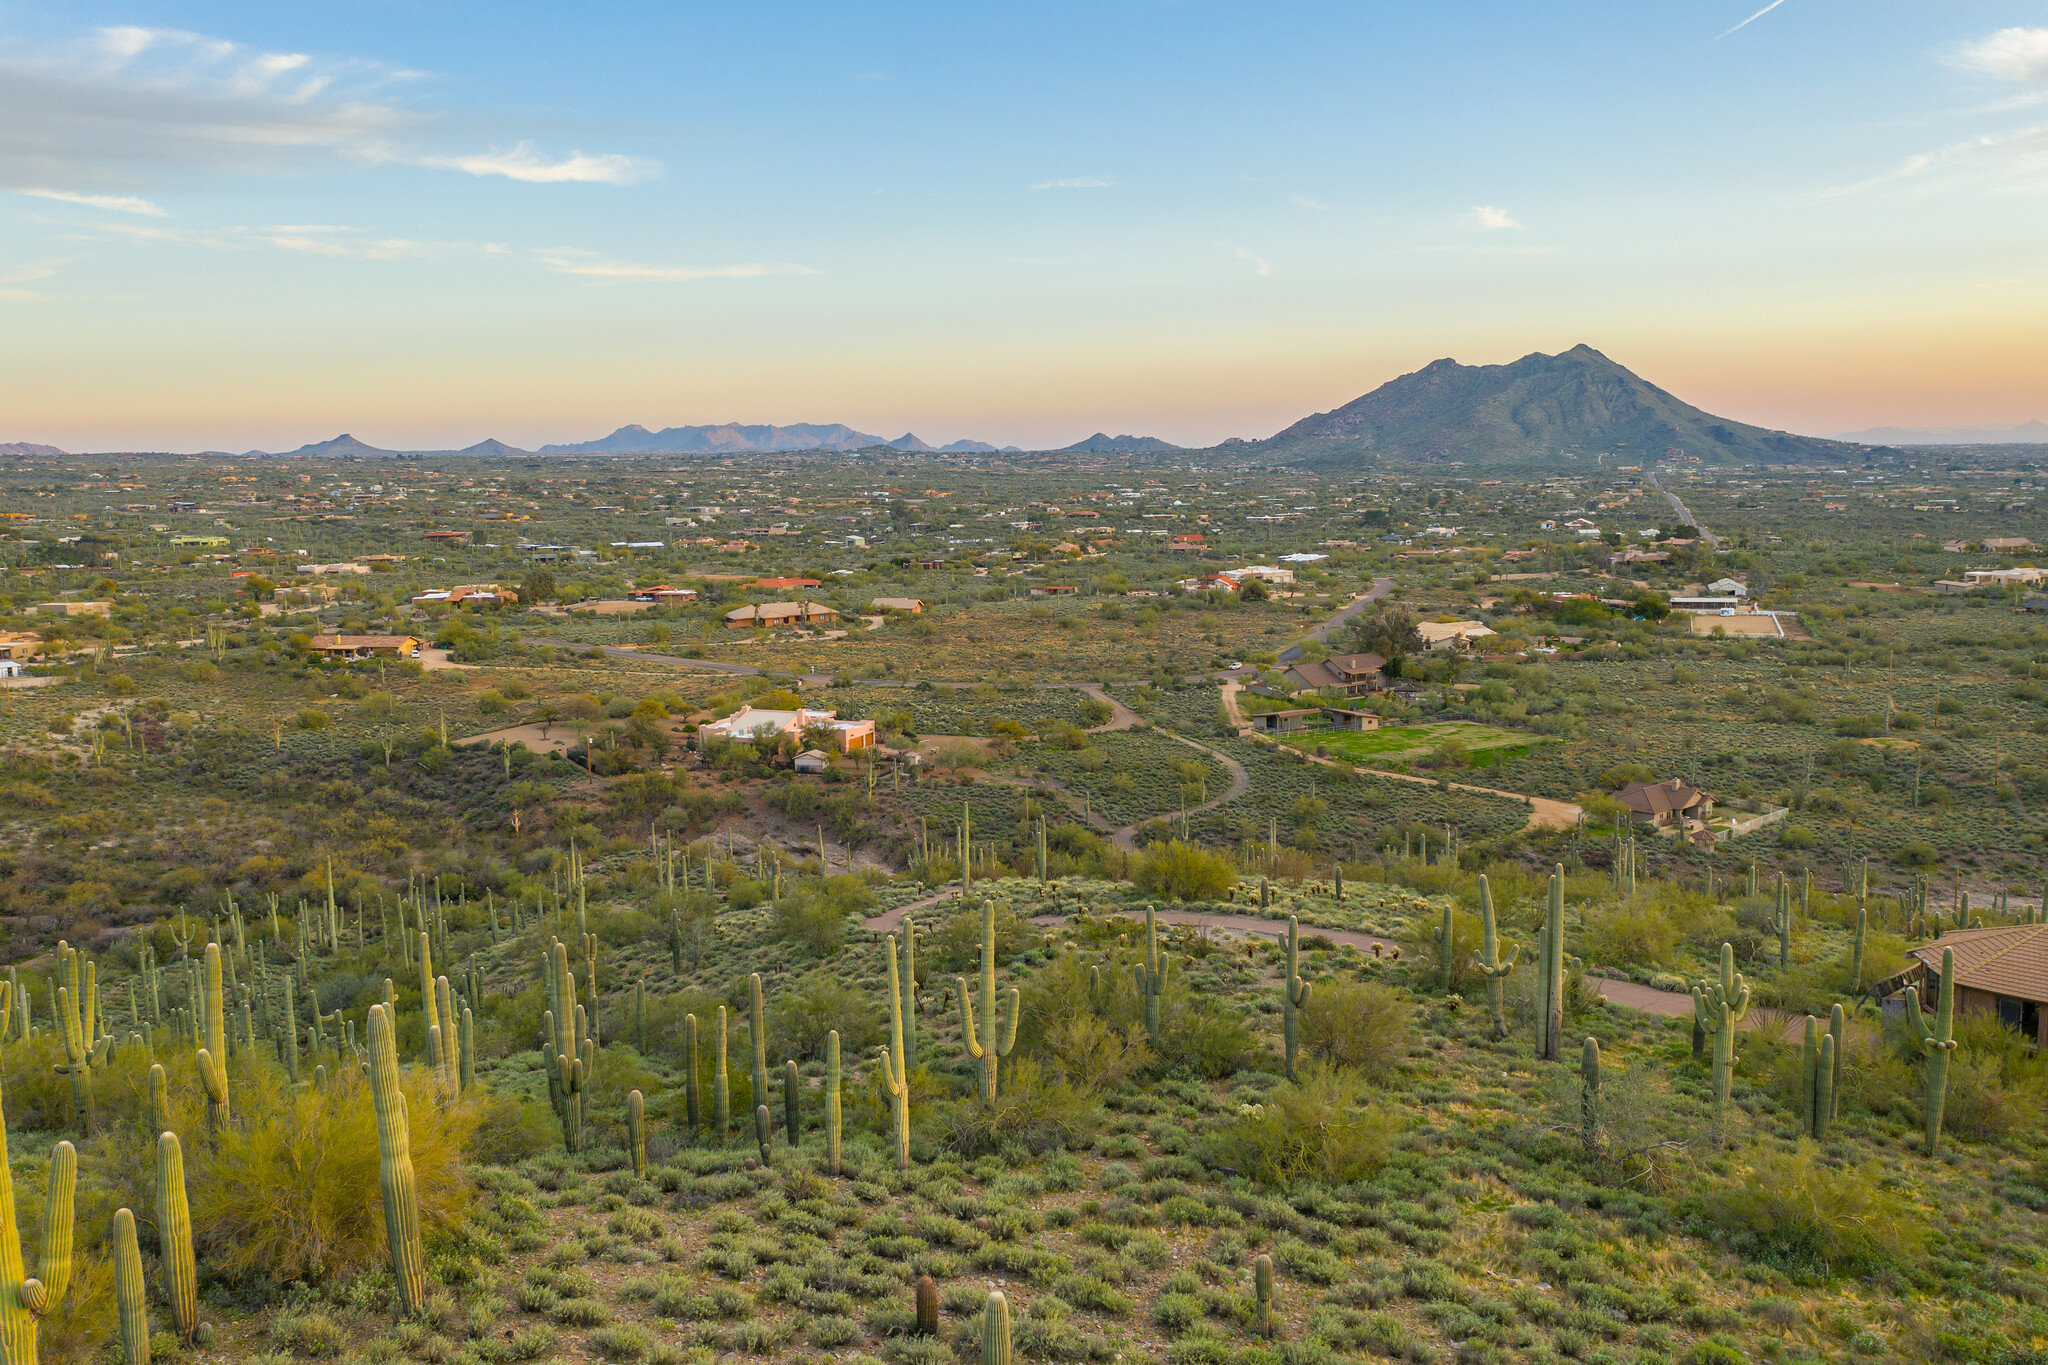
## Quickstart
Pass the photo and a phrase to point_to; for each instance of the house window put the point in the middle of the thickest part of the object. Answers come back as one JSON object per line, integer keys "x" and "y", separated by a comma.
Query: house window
{"x": 2010, "y": 1011}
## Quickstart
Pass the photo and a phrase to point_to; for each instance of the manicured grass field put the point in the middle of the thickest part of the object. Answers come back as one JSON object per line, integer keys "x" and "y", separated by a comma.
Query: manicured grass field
{"x": 1399, "y": 741}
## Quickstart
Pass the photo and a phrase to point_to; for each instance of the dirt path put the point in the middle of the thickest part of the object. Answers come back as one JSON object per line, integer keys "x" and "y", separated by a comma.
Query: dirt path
{"x": 1380, "y": 588}
{"x": 1121, "y": 717}
{"x": 1240, "y": 783}
{"x": 1544, "y": 812}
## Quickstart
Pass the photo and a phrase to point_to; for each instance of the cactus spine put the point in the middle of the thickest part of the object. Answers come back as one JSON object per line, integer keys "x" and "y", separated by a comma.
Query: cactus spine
{"x": 1262, "y": 1283}
{"x": 1722, "y": 1005}
{"x": 1490, "y": 963}
{"x": 1938, "y": 1041}
{"x": 995, "y": 1330}
{"x": 395, "y": 1178}
{"x": 174, "y": 1232}
{"x": 1151, "y": 973}
{"x": 1589, "y": 1093}
{"x": 1550, "y": 981}
{"x": 130, "y": 1293}
{"x": 994, "y": 1039}
{"x": 895, "y": 1075}
{"x": 636, "y": 1131}
{"x": 721, "y": 1088}
{"x": 832, "y": 1117}
{"x": 1294, "y": 994}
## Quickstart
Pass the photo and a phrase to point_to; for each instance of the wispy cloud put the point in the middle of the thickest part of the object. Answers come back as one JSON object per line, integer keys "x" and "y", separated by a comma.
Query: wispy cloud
{"x": 115, "y": 203}
{"x": 348, "y": 245}
{"x": 523, "y": 163}
{"x": 586, "y": 264}
{"x": 1750, "y": 20}
{"x": 25, "y": 274}
{"x": 2011, "y": 54}
{"x": 2015, "y": 161}
{"x": 130, "y": 106}
{"x": 1492, "y": 218}
{"x": 1079, "y": 182}
{"x": 1259, "y": 263}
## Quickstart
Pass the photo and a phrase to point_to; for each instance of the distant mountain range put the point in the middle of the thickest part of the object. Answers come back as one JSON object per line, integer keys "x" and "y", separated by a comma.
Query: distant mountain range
{"x": 1126, "y": 445}
{"x": 2026, "y": 433}
{"x": 733, "y": 438}
{"x": 29, "y": 448}
{"x": 1542, "y": 409}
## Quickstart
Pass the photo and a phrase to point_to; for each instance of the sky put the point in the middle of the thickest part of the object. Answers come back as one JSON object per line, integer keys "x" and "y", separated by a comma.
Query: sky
{"x": 226, "y": 225}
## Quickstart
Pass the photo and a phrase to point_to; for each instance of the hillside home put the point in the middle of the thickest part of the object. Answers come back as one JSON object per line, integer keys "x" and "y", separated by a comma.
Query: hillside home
{"x": 909, "y": 606}
{"x": 1452, "y": 634}
{"x": 769, "y": 615}
{"x": 1665, "y": 805}
{"x": 1342, "y": 719}
{"x": 19, "y": 644}
{"x": 365, "y": 646}
{"x": 746, "y": 723}
{"x": 469, "y": 595}
{"x": 1192, "y": 541}
{"x": 2002, "y": 970}
{"x": 1282, "y": 722}
{"x": 2008, "y": 545}
{"x": 1728, "y": 587}
{"x": 1266, "y": 573}
{"x": 784, "y": 584}
{"x": 1342, "y": 675}
{"x": 75, "y": 606}
{"x": 663, "y": 595}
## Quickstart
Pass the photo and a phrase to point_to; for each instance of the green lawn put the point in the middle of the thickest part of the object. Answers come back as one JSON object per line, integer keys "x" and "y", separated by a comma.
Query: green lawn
{"x": 1398, "y": 741}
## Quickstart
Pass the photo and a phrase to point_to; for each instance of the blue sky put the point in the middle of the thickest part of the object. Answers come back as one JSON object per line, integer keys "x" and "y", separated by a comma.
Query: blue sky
{"x": 232, "y": 225}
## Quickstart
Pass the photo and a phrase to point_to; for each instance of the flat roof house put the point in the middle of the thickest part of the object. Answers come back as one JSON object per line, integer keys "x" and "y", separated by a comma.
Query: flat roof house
{"x": 771, "y": 614}
{"x": 365, "y": 646}
{"x": 19, "y": 644}
{"x": 72, "y": 606}
{"x": 909, "y": 606}
{"x": 1451, "y": 634}
{"x": 1282, "y": 722}
{"x": 749, "y": 724}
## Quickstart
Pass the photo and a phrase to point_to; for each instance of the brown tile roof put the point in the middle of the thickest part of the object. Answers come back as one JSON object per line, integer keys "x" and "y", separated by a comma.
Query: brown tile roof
{"x": 1658, "y": 798}
{"x": 2010, "y": 960}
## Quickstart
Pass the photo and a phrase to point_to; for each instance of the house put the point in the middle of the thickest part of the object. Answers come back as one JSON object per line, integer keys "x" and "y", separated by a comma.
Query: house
{"x": 200, "y": 542}
{"x": 1986, "y": 577}
{"x": 2002, "y": 970}
{"x": 323, "y": 570}
{"x": 1581, "y": 524}
{"x": 749, "y": 724}
{"x": 772, "y": 614}
{"x": 1665, "y": 805}
{"x": 1635, "y": 556}
{"x": 1451, "y": 634}
{"x": 19, "y": 644}
{"x": 784, "y": 584}
{"x": 304, "y": 592}
{"x": 74, "y": 606}
{"x": 909, "y": 606}
{"x": 446, "y": 537}
{"x": 1263, "y": 572}
{"x": 1211, "y": 583}
{"x": 1190, "y": 541}
{"x": 663, "y": 595}
{"x": 1282, "y": 722}
{"x": 1728, "y": 587}
{"x": 469, "y": 595}
{"x": 10, "y": 668}
{"x": 1055, "y": 590}
{"x": 811, "y": 761}
{"x": 930, "y": 564}
{"x": 365, "y": 646}
{"x": 1347, "y": 675}
{"x": 2008, "y": 545}
{"x": 1342, "y": 719}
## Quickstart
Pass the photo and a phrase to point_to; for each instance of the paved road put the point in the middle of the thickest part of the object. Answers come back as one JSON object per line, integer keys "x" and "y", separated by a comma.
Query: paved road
{"x": 1380, "y": 588}
{"x": 1684, "y": 514}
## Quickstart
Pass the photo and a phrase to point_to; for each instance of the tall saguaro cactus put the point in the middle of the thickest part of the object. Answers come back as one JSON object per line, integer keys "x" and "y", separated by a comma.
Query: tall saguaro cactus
{"x": 693, "y": 1108}
{"x": 1550, "y": 966}
{"x": 1722, "y": 1004}
{"x": 1151, "y": 975}
{"x": 721, "y": 1087}
{"x": 174, "y": 1233}
{"x": 131, "y": 1295}
{"x": 757, "y": 1031}
{"x": 909, "y": 994}
{"x": 994, "y": 1039}
{"x": 1490, "y": 964}
{"x": 995, "y": 1330}
{"x": 1782, "y": 922}
{"x": 24, "y": 1301}
{"x": 636, "y": 1131}
{"x": 1589, "y": 1093}
{"x": 85, "y": 1050}
{"x": 1938, "y": 1041}
{"x": 1294, "y": 994}
{"x": 1817, "y": 1072}
{"x": 896, "y": 1075}
{"x": 1856, "y": 957}
{"x": 394, "y": 1172}
{"x": 213, "y": 1058}
{"x": 832, "y": 1114}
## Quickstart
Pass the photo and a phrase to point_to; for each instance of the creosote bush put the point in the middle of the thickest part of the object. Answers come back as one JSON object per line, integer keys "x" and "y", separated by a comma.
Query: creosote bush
{"x": 1363, "y": 1025}
{"x": 1793, "y": 1208}
{"x": 1320, "y": 1129}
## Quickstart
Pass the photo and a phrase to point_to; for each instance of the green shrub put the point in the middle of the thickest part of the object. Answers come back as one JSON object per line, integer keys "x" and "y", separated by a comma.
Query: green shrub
{"x": 801, "y": 1017}
{"x": 1362, "y": 1025}
{"x": 1314, "y": 1130}
{"x": 1789, "y": 1207}
{"x": 1184, "y": 872}
{"x": 1033, "y": 1110}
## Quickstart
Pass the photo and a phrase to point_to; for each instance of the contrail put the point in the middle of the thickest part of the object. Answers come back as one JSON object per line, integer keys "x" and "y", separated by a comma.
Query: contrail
{"x": 1753, "y": 18}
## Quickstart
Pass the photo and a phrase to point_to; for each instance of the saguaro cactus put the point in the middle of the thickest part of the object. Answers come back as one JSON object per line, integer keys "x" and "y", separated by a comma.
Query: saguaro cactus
{"x": 924, "y": 1295}
{"x": 909, "y": 993}
{"x": 792, "y": 1114}
{"x": 1490, "y": 964}
{"x": 1838, "y": 1029}
{"x": 1151, "y": 973}
{"x": 78, "y": 1028}
{"x": 1818, "y": 1068}
{"x": 692, "y": 1105}
{"x": 1722, "y": 1005}
{"x": 1294, "y": 994}
{"x": 995, "y": 1330}
{"x": 213, "y": 1058}
{"x": 1445, "y": 936}
{"x": 757, "y": 1029}
{"x": 1782, "y": 922}
{"x": 636, "y": 1131}
{"x": 430, "y": 1000}
{"x": 1856, "y": 956}
{"x": 1938, "y": 1041}
{"x": 1262, "y": 1285}
{"x": 1550, "y": 966}
{"x": 174, "y": 1233}
{"x": 159, "y": 1098}
{"x": 832, "y": 1116}
{"x": 395, "y": 1178}
{"x": 995, "y": 1039}
{"x": 23, "y": 1301}
{"x": 763, "y": 1128}
{"x": 131, "y": 1295}
{"x": 721, "y": 1087}
{"x": 895, "y": 1075}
